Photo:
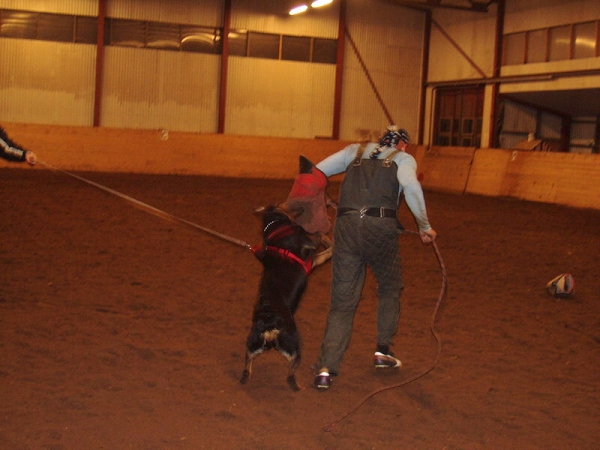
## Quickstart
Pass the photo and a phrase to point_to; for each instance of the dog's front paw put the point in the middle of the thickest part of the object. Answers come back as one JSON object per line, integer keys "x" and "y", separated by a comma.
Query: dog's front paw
{"x": 323, "y": 256}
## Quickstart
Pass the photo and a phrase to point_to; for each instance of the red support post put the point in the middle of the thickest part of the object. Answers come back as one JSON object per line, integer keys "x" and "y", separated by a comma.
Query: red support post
{"x": 99, "y": 85}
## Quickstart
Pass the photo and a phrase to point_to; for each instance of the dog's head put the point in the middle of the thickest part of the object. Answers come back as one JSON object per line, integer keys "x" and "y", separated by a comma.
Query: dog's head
{"x": 280, "y": 230}
{"x": 276, "y": 216}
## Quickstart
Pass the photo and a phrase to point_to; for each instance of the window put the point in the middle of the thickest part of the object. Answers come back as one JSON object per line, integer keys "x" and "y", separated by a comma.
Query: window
{"x": 48, "y": 27}
{"x": 55, "y": 27}
{"x": 295, "y": 48}
{"x": 86, "y": 30}
{"x": 536, "y": 46}
{"x": 565, "y": 42}
{"x": 126, "y": 33}
{"x": 18, "y": 24}
{"x": 560, "y": 43}
{"x": 584, "y": 40}
{"x": 200, "y": 40}
{"x": 324, "y": 51}
{"x": 238, "y": 43}
{"x": 514, "y": 49}
{"x": 284, "y": 47}
{"x": 165, "y": 36}
{"x": 263, "y": 45}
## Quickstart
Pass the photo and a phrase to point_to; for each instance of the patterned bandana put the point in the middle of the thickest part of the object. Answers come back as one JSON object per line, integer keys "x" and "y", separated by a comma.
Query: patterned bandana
{"x": 391, "y": 138}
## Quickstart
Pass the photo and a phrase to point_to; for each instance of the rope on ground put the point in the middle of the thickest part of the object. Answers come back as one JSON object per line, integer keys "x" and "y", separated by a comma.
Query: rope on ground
{"x": 150, "y": 209}
{"x": 433, "y": 331}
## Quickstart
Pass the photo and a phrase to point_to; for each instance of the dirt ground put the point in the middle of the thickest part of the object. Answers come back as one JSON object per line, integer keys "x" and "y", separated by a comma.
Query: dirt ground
{"x": 122, "y": 330}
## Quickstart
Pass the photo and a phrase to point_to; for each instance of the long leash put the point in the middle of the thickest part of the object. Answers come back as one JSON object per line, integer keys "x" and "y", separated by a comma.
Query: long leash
{"x": 433, "y": 331}
{"x": 151, "y": 209}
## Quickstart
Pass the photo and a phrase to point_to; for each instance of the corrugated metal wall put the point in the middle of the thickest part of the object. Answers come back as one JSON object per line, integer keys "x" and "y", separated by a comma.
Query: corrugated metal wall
{"x": 296, "y": 99}
{"x": 46, "y": 82}
{"x": 549, "y": 126}
{"x": 520, "y": 120}
{"x": 473, "y": 33}
{"x": 279, "y": 98}
{"x": 390, "y": 42}
{"x": 199, "y": 12}
{"x": 583, "y": 135}
{"x": 49, "y": 82}
{"x": 147, "y": 88}
{"x": 154, "y": 89}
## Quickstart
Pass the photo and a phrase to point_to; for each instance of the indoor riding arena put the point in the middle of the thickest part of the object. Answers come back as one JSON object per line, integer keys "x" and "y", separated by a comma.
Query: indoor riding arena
{"x": 138, "y": 140}
{"x": 122, "y": 326}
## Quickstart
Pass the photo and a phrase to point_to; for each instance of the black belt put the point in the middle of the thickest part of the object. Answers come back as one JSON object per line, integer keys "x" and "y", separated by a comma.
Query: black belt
{"x": 373, "y": 212}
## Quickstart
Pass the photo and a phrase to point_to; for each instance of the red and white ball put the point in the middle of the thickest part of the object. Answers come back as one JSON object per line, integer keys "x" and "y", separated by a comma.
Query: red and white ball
{"x": 562, "y": 286}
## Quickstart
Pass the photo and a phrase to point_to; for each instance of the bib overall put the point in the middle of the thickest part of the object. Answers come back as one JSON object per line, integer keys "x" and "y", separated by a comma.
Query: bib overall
{"x": 362, "y": 239}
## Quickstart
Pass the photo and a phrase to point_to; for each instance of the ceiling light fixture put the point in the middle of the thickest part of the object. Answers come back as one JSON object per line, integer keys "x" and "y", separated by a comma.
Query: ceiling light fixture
{"x": 314, "y": 4}
{"x": 298, "y": 10}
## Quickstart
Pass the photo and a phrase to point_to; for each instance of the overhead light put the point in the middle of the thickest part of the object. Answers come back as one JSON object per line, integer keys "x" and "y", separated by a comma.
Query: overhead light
{"x": 314, "y": 4}
{"x": 298, "y": 10}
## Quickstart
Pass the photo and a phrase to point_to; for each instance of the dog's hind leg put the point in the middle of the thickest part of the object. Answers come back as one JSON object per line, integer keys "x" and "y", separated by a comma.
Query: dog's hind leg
{"x": 253, "y": 349}
{"x": 289, "y": 346}
{"x": 248, "y": 367}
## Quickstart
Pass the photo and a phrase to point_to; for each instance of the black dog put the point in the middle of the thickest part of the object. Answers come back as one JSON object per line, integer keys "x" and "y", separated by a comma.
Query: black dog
{"x": 287, "y": 258}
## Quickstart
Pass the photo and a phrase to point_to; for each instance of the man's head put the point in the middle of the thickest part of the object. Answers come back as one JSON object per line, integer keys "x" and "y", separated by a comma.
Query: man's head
{"x": 393, "y": 136}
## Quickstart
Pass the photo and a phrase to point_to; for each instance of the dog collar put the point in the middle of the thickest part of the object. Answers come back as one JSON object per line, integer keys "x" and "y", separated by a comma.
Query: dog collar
{"x": 259, "y": 249}
{"x": 280, "y": 232}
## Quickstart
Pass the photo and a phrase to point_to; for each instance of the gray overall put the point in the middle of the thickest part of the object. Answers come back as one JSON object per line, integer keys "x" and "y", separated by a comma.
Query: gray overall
{"x": 361, "y": 240}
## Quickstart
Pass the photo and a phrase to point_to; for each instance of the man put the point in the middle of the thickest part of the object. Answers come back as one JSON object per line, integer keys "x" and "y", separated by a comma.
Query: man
{"x": 12, "y": 152}
{"x": 366, "y": 233}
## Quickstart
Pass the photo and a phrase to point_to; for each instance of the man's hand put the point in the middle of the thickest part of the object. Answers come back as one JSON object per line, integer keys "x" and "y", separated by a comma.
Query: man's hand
{"x": 30, "y": 157}
{"x": 428, "y": 236}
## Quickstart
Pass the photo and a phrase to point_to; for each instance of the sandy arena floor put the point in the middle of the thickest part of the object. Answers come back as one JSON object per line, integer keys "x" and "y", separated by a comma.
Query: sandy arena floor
{"x": 121, "y": 330}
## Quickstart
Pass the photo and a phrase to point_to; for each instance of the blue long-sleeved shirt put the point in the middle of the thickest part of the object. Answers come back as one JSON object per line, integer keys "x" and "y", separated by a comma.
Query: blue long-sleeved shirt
{"x": 407, "y": 176}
